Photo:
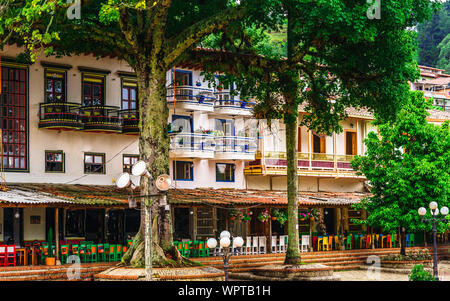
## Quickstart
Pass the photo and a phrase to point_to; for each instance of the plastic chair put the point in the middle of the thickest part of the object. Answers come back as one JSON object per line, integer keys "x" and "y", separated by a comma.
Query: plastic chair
{"x": 64, "y": 253}
{"x": 119, "y": 252}
{"x": 255, "y": 247}
{"x": 248, "y": 245}
{"x": 44, "y": 252}
{"x": 93, "y": 257}
{"x": 10, "y": 255}
{"x": 368, "y": 241}
{"x": 274, "y": 247}
{"x": 412, "y": 241}
{"x": 348, "y": 242}
{"x": 320, "y": 243}
{"x": 356, "y": 242}
{"x": 203, "y": 250}
{"x": 305, "y": 243}
{"x": 186, "y": 251}
{"x": 337, "y": 242}
{"x": 407, "y": 240}
{"x": 314, "y": 242}
{"x": 393, "y": 237}
{"x": 2, "y": 255}
{"x": 112, "y": 253}
{"x": 283, "y": 243}
{"x": 195, "y": 248}
{"x": 262, "y": 240}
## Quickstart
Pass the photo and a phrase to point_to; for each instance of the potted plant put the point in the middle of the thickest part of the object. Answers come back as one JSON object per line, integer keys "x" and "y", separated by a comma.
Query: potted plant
{"x": 246, "y": 216}
{"x": 220, "y": 87}
{"x": 198, "y": 83}
{"x": 50, "y": 260}
{"x": 264, "y": 216}
{"x": 280, "y": 215}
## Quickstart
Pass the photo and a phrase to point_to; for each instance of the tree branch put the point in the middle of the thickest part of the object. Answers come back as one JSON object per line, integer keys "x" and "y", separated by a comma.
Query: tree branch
{"x": 194, "y": 33}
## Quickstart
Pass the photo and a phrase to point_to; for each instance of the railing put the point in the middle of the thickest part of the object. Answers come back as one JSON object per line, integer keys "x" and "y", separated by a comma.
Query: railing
{"x": 235, "y": 145}
{"x": 306, "y": 161}
{"x": 101, "y": 118}
{"x": 130, "y": 120}
{"x": 59, "y": 114}
{"x": 190, "y": 94}
{"x": 235, "y": 104}
{"x": 192, "y": 142}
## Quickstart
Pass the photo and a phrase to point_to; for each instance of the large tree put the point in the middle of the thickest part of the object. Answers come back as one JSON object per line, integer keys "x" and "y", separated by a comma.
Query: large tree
{"x": 150, "y": 36}
{"x": 335, "y": 57}
{"x": 407, "y": 166}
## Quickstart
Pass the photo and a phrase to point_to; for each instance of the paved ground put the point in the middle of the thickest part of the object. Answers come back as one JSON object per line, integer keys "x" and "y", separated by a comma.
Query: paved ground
{"x": 363, "y": 275}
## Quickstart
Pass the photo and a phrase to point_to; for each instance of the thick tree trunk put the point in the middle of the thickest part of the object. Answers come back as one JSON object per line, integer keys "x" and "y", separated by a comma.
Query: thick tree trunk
{"x": 293, "y": 250}
{"x": 153, "y": 149}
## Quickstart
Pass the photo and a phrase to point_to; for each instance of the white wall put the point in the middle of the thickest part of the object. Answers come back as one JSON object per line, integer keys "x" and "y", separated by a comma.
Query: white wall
{"x": 34, "y": 231}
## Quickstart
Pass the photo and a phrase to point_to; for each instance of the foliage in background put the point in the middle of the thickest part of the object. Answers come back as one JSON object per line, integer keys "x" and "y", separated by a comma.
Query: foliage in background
{"x": 444, "y": 54}
{"x": 407, "y": 168}
{"x": 430, "y": 34}
{"x": 281, "y": 215}
{"x": 419, "y": 274}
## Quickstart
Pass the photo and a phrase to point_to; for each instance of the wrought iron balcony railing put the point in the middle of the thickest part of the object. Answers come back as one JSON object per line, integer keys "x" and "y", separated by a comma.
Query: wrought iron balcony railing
{"x": 60, "y": 115}
{"x": 101, "y": 118}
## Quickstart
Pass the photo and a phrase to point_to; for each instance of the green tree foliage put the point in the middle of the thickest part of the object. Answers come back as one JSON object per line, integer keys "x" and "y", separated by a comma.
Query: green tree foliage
{"x": 407, "y": 167}
{"x": 419, "y": 274}
{"x": 335, "y": 57}
{"x": 431, "y": 33}
{"x": 444, "y": 54}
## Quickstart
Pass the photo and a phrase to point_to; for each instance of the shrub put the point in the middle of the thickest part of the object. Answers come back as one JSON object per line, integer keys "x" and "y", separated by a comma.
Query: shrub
{"x": 419, "y": 274}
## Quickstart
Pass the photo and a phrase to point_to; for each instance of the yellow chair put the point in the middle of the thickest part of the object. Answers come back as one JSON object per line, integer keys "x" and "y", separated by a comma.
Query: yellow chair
{"x": 337, "y": 242}
{"x": 325, "y": 243}
{"x": 330, "y": 242}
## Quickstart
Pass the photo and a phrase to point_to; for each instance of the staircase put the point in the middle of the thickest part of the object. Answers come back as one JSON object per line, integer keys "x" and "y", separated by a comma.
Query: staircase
{"x": 55, "y": 273}
{"x": 339, "y": 260}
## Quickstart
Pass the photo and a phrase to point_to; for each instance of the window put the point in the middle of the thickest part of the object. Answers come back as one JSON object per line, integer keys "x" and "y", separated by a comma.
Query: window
{"x": 319, "y": 143}
{"x": 224, "y": 172}
{"x": 55, "y": 82}
{"x": 93, "y": 90}
{"x": 350, "y": 143}
{"x": 129, "y": 96}
{"x": 75, "y": 223}
{"x": 128, "y": 162}
{"x": 183, "y": 78}
{"x": 183, "y": 170}
{"x": 182, "y": 123}
{"x": 225, "y": 126}
{"x": 94, "y": 163}
{"x": 14, "y": 117}
{"x": 54, "y": 161}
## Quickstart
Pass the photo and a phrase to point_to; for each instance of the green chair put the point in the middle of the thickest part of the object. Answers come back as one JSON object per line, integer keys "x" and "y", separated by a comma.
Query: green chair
{"x": 119, "y": 252}
{"x": 76, "y": 250}
{"x": 186, "y": 249}
{"x": 65, "y": 252}
{"x": 112, "y": 253}
{"x": 202, "y": 250}
{"x": 44, "y": 252}
{"x": 356, "y": 239}
{"x": 105, "y": 252}
{"x": 393, "y": 237}
{"x": 93, "y": 256}
{"x": 348, "y": 242}
{"x": 195, "y": 248}
{"x": 412, "y": 242}
{"x": 83, "y": 252}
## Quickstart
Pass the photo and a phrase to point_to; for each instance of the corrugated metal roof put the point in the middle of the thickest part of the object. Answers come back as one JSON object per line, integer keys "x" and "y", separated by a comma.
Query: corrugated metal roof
{"x": 91, "y": 195}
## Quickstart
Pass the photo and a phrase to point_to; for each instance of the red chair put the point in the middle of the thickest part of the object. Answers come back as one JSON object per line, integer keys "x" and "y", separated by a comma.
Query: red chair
{"x": 10, "y": 255}
{"x": 368, "y": 241}
{"x": 388, "y": 241}
{"x": 314, "y": 243}
{"x": 2, "y": 255}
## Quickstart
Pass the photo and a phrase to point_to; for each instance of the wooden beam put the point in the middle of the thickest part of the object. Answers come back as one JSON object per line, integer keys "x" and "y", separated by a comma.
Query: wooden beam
{"x": 57, "y": 232}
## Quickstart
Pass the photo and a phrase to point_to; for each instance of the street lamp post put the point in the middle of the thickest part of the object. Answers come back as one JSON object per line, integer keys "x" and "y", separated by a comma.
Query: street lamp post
{"x": 225, "y": 242}
{"x": 434, "y": 220}
{"x": 163, "y": 183}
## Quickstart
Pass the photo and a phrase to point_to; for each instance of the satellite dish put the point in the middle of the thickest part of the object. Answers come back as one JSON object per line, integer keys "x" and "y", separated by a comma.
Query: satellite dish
{"x": 140, "y": 169}
{"x": 163, "y": 182}
{"x": 124, "y": 181}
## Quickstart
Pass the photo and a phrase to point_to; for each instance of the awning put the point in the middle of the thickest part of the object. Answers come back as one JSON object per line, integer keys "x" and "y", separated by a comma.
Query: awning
{"x": 250, "y": 198}
{"x": 63, "y": 195}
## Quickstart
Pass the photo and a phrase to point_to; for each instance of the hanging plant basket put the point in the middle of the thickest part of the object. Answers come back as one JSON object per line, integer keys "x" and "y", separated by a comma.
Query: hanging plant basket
{"x": 274, "y": 218}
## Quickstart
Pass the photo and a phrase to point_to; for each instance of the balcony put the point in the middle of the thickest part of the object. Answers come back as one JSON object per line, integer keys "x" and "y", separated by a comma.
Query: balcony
{"x": 60, "y": 116}
{"x": 104, "y": 119}
{"x": 130, "y": 121}
{"x": 224, "y": 104}
{"x": 189, "y": 145}
{"x": 235, "y": 148}
{"x": 190, "y": 98}
{"x": 275, "y": 163}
